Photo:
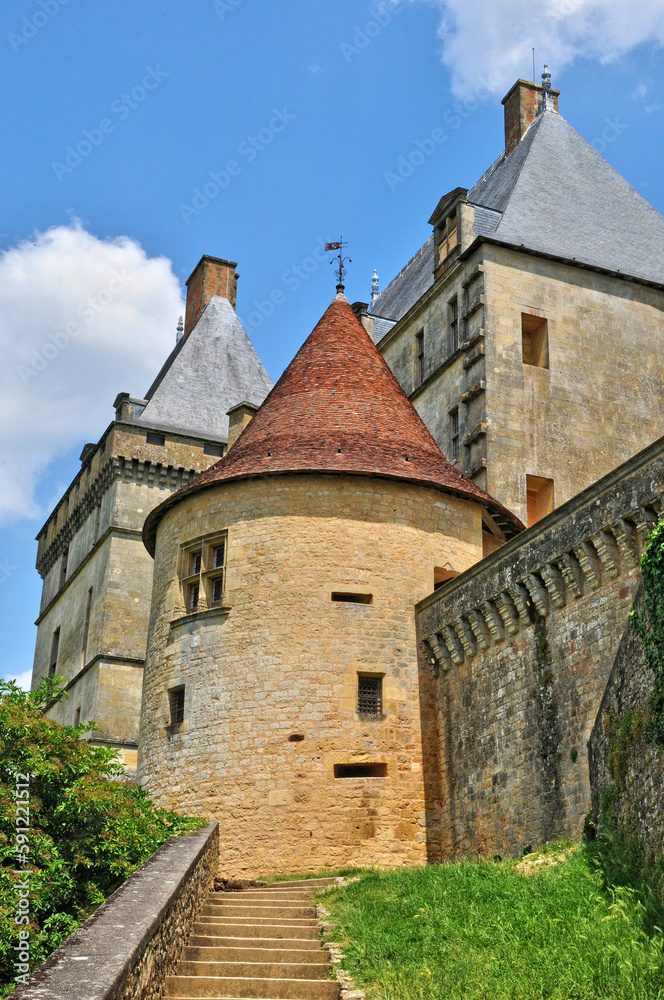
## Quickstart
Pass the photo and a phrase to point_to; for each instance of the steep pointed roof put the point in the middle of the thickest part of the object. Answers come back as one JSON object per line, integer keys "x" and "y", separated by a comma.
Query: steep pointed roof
{"x": 338, "y": 409}
{"x": 556, "y": 195}
{"x": 207, "y": 373}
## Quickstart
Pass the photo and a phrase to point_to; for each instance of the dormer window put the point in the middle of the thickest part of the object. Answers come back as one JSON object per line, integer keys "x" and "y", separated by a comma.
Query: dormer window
{"x": 448, "y": 237}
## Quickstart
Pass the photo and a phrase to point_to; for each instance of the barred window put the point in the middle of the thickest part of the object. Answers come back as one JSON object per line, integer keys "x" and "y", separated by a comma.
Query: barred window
{"x": 454, "y": 433}
{"x": 176, "y": 704}
{"x": 369, "y": 695}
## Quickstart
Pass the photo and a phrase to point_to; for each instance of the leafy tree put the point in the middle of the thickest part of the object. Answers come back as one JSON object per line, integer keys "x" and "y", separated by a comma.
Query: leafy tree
{"x": 649, "y": 623}
{"x": 89, "y": 829}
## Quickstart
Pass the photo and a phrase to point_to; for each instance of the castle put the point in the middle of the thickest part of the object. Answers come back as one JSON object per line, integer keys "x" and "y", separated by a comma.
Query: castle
{"x": 356, "y": 650}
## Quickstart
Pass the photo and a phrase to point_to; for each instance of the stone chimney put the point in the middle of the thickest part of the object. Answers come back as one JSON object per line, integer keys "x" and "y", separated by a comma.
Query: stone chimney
{"x": 211, "y": 276}
{"x": 521, "y": 106}
{"x": 238, "y": 418}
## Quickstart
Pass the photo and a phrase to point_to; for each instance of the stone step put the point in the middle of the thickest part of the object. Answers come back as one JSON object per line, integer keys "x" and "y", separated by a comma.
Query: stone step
{"x": 252, "y": 970}
{"x": 260, "y": 929}
{"x": 302, "y": 883}
{"x": 310, "y": 945}
{"x": 228, "y": 988}
{"x": 291, "y": 896}
{"x": 249, "y": 909}
{"x": 240, "y": 953}
{"x": 233, "y": 919}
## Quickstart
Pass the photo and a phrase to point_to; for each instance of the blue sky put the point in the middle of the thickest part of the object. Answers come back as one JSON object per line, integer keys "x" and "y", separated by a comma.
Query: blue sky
{"x": 116, "y": 113}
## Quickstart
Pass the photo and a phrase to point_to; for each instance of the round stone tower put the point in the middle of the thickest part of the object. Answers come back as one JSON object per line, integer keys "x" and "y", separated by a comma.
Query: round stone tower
{"x": 281, "y": 692}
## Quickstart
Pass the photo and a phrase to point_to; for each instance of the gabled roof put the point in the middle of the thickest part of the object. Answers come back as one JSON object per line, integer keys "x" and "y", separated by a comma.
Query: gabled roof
{"x": 554, "y": 194}
{"x": 210, "y": 370}
{"x": 338, "y": 409}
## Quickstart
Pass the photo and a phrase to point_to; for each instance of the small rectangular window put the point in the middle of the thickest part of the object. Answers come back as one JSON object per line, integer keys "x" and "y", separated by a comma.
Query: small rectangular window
{"x": 217, "y": 590}
{"x": 195, "y": 563}
{"x": 353, "y": 598}
{"x": 369, "y": 695}
{"x": 86, "y": 628}
{"x": 55, "y": 646}
{"x": 419, "y": 348}
{"x": 454, "y": 434}
{"x": 176, "y": 704}
{"x": 448, "y": 237}
{"x": 539, "y": 495}
{"x": 216, "y": 450}
{"x": 63, "y": 567}
{"x": 534, "y": 341}
{"x": 360, "y": 770}
{"x": 77, "y": 716}
{"x": 154, "y": 438}
{"x": 218, "y": 560}
{"x": 453, "y": 308}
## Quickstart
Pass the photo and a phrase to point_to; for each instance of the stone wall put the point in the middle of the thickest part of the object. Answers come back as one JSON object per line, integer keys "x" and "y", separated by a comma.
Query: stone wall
{"x": 637, "y": 791}
{"x": 133, "y": 941}
{"x": 271, "y": 677}
{"x": 521, "y": 647}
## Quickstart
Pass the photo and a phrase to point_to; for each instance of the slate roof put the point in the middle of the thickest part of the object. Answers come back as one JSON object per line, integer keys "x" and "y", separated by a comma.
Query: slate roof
{"x": 207, "y": 373}
{"x": 553, "y": 194}
{"x": 338, "y": 408}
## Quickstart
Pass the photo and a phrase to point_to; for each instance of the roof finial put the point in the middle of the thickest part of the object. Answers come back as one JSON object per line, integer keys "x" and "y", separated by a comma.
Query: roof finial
{"x": 374, "y": 286}
{"x": 179, "y": 333}
{"x": 547, "y": 99}
{"x": 341, "y": 270}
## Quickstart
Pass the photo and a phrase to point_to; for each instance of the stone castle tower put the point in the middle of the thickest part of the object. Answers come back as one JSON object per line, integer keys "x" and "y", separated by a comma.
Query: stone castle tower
{"x": 93, "y": 621}
{"x": 282, "y": 659}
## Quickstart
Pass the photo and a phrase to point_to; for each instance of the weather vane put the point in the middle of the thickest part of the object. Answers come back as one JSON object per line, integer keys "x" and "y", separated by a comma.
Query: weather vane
{"x": 341, "y": 270}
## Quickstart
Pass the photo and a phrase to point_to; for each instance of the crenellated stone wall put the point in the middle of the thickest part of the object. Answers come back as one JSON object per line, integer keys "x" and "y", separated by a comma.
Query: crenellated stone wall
{"x": 516, "y": 653}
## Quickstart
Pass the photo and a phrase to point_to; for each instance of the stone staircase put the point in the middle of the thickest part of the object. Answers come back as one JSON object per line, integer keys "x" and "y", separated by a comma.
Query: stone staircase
{"x": 256, "y": 943}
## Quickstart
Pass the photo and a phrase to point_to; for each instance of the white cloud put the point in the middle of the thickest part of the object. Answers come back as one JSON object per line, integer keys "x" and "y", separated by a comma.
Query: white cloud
{"x": 23, "y": 680}
{"x": 490, "y": 42}
{"x": 81, "y": 319}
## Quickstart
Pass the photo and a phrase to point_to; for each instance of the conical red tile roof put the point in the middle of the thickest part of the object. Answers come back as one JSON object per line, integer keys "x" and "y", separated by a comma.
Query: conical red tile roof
{"x": 338, "y": 408}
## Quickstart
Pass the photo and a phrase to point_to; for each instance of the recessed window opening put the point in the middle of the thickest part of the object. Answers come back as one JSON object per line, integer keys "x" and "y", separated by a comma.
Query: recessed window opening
{"x": 176, "y": 705}
{"x": 453, "y": 308}
{"x": 369, "y": 695}
{"x": 203, "y": 573}
{"x": 216, "y": 450}
{"x": 419, "y": 350}
{"x": 454, "y": 434}
{"x": 360, "y": 770}
{"x": 63, "y": 567}
{"x": 353, "y": 598}
{"x": 442, "y": 576}
{"x": 77, "y": 716}
{"x": 153, "y": 438}
{"x": 534, "y": 341}
{"x": 195, "y": 562}
{"x": 86, "y": 628}
{"x": 539, "y": 496}
{"x": 55, "y": 646}
{"x": 193, "y": 596}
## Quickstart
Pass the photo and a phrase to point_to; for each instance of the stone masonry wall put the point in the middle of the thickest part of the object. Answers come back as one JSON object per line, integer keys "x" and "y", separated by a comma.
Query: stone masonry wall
{"x": 133, "y": 941}
{"x": 637, "y": 795}
{"x": 521, "y": 647}
{"x": 271, "y": 678}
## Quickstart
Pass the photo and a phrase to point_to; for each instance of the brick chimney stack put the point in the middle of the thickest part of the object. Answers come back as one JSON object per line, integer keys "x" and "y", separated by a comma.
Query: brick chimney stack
{"x": 521, "y": 106}
{"x": 211, "y": 276}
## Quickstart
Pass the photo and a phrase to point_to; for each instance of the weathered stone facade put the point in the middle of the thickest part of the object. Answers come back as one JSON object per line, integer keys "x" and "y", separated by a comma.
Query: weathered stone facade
{"x": 281, "y": 659}
{"x": 516, "y": 653}
{"x": 566, "y": 422}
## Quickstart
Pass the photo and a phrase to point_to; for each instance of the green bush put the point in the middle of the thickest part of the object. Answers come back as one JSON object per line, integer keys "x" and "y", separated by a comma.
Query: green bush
{"x": 87, "y": 831}
{"x": 649, "y": 623}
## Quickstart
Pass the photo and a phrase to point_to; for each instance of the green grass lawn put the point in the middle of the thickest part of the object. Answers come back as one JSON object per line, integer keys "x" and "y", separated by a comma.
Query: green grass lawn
{"x": 540, "y": 928}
